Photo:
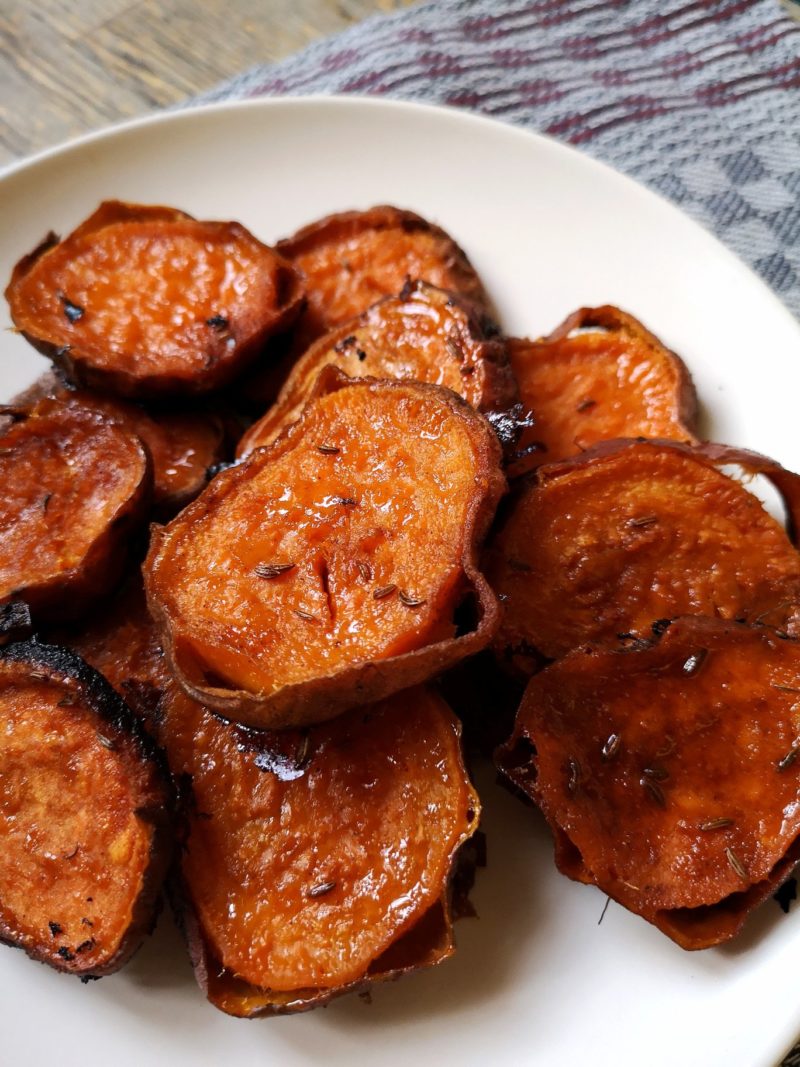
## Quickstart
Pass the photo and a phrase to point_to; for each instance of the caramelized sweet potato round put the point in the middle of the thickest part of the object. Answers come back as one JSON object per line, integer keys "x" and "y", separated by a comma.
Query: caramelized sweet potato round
{"x": 354, "y": 258}
{"x": 326, "y": 571}
{"x": 76, "y": 484}
{"x": 671, "y": 771}
{"x": 318, "y": 860}
{"x": 423, "y": 334}
{"x": 122, "y": 643}
{"x": 630, "y": 533}
{"x": 600, "y": 375}
{"x": 84, "y": 831}
{"x": 147, "y": 301}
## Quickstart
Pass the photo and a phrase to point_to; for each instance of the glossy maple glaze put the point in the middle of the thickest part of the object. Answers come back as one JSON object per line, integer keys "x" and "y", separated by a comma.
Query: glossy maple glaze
{"x": 301, "y": 879}
{"x": 369, "y": 532}
{"x": 599, "y": 376}
{"x": 70, "y": 474}
{"x": 352, "y": 259}
{"x": 424, "y": 334}
{"x": 670, "y": 770}
{"x": 141, "y": 298}
{"x": 76, "y": 855}
{"x": 610, "y": 543}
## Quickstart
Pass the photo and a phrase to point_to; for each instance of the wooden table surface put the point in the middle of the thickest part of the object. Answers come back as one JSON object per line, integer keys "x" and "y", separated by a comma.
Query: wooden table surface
{"x": 70, "y": 66}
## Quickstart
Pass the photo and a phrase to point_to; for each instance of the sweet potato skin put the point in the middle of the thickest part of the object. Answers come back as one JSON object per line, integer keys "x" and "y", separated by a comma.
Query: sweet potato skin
{"x": 424, "y": 334}
{"x": 350, "y": 677}
{"x": 616, "y": 381}
{"x": 353, "y": 258}
{"x": 294, "y": 868}
{"x": 88, "y": 722}
{"x": 121, "y": 642}
{"x": 51, "y": 563}
{"x": 668, "y": 773}
{"x": 118, "y": 349}
{"x": 629, "y": 533}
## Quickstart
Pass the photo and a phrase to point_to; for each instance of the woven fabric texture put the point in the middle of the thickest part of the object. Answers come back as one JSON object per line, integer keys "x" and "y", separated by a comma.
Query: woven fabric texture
{"x": 699, "y": 100}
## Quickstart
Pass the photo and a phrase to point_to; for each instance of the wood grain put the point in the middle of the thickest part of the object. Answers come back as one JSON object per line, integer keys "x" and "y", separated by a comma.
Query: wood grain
{"x": 70, "y": 66}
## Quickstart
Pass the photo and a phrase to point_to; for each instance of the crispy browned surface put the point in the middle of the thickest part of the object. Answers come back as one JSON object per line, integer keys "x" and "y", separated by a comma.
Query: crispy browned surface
{"x": 423, "y": 334}
{"x": 122, "y": 643}
{"x": 315, "y": 857}
{"x": 617, "y": 380}
{"x": 325, "y": 571}
{"x": 84, "y": 832}
{"x": 638, "y": 755}
{"x": 354, "y": 258}
{"x": 633, "y": 532}
{"x": 76, "y": 484}
{"x": 147, "y": 301}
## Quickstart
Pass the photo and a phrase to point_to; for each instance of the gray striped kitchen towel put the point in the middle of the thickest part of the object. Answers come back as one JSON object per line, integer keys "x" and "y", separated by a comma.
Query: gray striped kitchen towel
{"x": 699, "y": 100}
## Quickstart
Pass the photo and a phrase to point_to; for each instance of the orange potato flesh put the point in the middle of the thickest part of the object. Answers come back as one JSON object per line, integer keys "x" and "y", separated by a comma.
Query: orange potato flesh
{"x": 122, "y": 643}
{"x": 301, "y": 880}
{"x": 328, "y": 552}
{"x": 617, "y": 380}
{"x": 617, "y": 539}
{"x": 75, "y": 483}
{"x": 423, "y": 334}
{"x": 144, "y": 300}
{"x": 671, "y": 771}
{"x": 79, "y": 803}
{"x": 352, "y": 259}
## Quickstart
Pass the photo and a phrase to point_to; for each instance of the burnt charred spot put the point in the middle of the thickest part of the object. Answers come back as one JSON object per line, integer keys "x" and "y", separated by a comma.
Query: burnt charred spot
{"x": 66, "y": 954}
{"x": 518, "y": 759}
{"x": 786, "y": 894}
{"x": 74, "y": 312}
{"x": 218, "y": 322}
{"x": 55, "y": 928}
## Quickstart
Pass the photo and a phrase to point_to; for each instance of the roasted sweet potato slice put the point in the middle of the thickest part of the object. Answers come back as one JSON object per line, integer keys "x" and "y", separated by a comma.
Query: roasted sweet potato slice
{"x": 121, "y": 642}
{"x": 670, "y": 771}
{"x": 423, "y": 334}
{"x": 629, "y": 533}
{"x": 84, "y": 824}
{"x": 147, "y": 301}
{"x": 599, "y": 376}
{"x": 76, "y": 484}
{"x": 183, "y": 445}
{"x": 326, "y": 570}
{"x": 352, "y": 259}
{"x": 318, "y": 860}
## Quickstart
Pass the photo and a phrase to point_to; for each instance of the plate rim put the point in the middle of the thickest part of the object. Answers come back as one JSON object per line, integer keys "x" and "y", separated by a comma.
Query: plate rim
{"x": 783, "y": 1038}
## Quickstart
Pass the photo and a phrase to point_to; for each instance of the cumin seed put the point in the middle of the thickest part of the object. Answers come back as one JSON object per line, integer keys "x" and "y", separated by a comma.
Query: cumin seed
{"x": 305, "y": 615}
{"x": 364, "y": 570}
{"x": 611, "y": 747}
{"x": 787, "y": 760}
{"x": 384, "y": 591}
{"x": 647, "y": 520}
{"x": 321, "y": 889}
{"x": 715, "y": 824}
{"x": 328, "y": 450}
{"x": 46, "y": 501}
{"x": 574, "y": 779}
{"x": 655, "y": 791}
{"x": 785, "y": 688}
{"x": 656, "y": 774}
{"x": 346, "y": 501}
{"x": 273, "y": 570}
{"x": 106, "y": 742}
{"x": 736, "y": 864}
{"x": 411, "y": 601}
{"x": 586, "y": 405}
{"x": 693, "y": 663}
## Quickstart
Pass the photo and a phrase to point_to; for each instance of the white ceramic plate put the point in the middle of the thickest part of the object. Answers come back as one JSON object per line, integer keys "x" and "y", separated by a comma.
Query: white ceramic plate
{"x": 536, "y": 980}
